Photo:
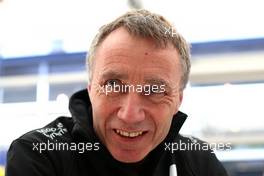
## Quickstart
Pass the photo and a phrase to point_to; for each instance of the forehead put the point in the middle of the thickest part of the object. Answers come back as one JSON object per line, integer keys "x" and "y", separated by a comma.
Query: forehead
{"x": 120, "y": 49}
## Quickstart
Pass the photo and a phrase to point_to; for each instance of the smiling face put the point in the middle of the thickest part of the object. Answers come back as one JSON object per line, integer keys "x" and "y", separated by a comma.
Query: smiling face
{"x": 131, "y": 122}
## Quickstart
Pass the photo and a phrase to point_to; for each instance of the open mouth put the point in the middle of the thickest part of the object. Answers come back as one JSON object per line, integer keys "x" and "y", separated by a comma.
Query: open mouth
{"x": 129, "y": 134}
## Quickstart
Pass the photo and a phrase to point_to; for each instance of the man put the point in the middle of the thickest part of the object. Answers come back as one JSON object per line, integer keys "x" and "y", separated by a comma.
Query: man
{"x": 127, "y": 121}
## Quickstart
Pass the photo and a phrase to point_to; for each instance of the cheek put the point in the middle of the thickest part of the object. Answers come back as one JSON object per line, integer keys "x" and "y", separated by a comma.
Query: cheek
{"x": 163, "y": 124}
{"x": 101, "y": 110}
{"x": 104, "y": 109}
{"x": 162, "y": 118}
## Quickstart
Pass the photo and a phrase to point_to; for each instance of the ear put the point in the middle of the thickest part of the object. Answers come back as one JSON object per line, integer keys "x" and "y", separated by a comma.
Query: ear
{"x": 179, "y": 99}
{"x": 89, "y": 87}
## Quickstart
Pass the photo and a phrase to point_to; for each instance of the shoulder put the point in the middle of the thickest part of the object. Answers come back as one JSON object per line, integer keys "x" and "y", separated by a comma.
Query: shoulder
{"x": 34, "y": 152}
{"x": 41, "y": 140}
{"x": 57, "y": 130}
{"x": 198, "y": 155}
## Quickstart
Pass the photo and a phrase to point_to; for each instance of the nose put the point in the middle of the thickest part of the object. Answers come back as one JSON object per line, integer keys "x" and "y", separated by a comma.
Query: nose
{"x": 131, "y": 110}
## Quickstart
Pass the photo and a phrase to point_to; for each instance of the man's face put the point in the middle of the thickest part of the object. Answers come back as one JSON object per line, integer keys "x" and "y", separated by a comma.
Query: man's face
{"x": 131, "y": 123}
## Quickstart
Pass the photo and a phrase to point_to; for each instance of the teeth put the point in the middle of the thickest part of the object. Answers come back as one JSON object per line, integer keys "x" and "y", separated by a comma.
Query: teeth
{"x": 129, "y": 134}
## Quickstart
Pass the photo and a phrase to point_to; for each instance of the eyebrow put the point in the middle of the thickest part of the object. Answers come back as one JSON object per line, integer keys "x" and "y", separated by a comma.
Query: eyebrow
{"x": 157, "y": 81}
{"x": 114, "y": 75}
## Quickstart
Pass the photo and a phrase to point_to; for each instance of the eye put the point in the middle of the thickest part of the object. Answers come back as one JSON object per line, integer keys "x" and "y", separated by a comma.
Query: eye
{"x": 112, "y": 87}
{"x": 113, "y": 82}
{"x": 157, "y": 90}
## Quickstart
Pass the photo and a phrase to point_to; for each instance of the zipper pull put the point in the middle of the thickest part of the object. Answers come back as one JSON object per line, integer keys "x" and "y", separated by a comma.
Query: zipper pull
{"x": 173, "y": 170}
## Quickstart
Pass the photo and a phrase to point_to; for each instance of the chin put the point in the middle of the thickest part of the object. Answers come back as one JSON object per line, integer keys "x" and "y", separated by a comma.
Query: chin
{"x": 129, "y": 156}
{"x": 128, "y": 159}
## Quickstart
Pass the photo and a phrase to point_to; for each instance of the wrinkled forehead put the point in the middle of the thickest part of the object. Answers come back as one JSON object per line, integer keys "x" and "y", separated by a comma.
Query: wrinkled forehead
{"x": 137, "y": 64}
{"x": 120, "y": 42}
{"x": 120, "y": 49}
{"x": 121, "y": 36}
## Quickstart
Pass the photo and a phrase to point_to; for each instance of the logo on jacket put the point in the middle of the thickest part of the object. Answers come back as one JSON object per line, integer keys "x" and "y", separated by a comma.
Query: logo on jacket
{"x": 53, "y": 132}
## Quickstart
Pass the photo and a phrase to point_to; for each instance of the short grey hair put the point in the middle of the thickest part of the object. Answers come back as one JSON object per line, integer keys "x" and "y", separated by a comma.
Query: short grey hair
{"x": 143, "y": 23}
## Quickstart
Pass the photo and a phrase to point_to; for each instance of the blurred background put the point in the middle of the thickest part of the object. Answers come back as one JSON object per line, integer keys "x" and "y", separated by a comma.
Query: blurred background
{"x": 42, "y": 62}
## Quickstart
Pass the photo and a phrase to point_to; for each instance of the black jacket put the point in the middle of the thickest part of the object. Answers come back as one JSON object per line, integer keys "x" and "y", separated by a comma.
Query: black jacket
{"x": 70, "y": 147}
